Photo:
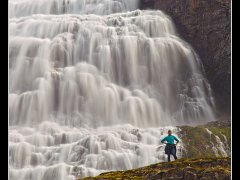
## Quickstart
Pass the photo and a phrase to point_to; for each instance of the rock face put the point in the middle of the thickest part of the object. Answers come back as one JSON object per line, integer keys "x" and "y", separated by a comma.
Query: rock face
{"x": 185, "y": 169}
{"x": 209, "y": 140}
{"x": 206, "y": 25}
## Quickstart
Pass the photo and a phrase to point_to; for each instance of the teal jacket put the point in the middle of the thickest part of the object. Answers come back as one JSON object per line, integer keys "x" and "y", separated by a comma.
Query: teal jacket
{"x": 170, "y": 139}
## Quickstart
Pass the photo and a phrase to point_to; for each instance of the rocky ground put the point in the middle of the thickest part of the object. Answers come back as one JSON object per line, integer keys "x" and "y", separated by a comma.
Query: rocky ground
{"x": 185, "y": 169}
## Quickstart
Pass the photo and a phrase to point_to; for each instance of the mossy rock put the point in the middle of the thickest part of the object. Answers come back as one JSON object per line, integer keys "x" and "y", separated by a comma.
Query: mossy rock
{"x": 199, "y": 143}
{"x": 205, "y": 168}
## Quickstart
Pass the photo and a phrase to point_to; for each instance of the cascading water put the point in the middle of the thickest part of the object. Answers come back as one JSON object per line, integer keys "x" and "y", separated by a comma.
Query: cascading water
{"x": 94, "y": 86}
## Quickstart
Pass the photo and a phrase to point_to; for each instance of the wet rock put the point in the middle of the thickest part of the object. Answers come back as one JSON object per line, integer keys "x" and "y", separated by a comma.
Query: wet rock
{"x": 198, "y": 142}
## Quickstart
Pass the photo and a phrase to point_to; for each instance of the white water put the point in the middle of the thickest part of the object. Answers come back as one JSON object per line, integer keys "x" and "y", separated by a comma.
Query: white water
{"x": 221, "y": 149}
{"x": 89, "y": 151}
{"x": 92, "y": 91}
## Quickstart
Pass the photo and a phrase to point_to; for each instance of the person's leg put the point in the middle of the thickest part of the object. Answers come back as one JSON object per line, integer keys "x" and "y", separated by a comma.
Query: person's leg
{"x": 169, "y": 157}
{"x": 175, "y": 157}
{"x": 174, "y": 151}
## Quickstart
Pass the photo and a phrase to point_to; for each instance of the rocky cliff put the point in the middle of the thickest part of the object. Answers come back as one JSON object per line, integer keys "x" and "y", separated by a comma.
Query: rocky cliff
{"x": 185, "y": 169}
{"x": 210, "y": 140}
{"x": 206, "y": 25}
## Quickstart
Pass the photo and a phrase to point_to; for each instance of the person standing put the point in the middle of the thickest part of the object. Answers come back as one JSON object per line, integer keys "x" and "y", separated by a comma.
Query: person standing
{"x": 170, "y": 148}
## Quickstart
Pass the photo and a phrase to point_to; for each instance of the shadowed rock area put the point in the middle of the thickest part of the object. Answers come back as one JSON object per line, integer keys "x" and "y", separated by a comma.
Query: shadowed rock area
{"x": 185, "y": 169}
{"x": 206, "y": 25}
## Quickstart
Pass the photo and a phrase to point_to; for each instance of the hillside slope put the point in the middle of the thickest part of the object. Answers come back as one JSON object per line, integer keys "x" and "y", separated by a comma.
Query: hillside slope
{"x": 185, "y": 169}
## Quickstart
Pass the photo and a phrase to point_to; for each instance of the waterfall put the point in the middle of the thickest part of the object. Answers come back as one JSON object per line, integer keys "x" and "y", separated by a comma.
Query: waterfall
{"x": 94, "y": 85}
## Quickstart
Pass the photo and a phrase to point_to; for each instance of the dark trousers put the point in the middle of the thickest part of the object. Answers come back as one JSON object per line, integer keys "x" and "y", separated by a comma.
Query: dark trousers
{"x": 174, "y": 155}
{"x": 172, "y": 151}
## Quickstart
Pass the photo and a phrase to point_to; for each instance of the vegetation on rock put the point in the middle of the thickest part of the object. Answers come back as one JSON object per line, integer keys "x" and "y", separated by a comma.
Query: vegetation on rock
{"x": 186, "y": 169}
{"x": 209, "y": 140}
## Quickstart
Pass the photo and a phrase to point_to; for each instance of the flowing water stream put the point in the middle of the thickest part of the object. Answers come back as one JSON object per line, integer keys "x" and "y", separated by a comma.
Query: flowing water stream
{"x": 94, "y": 85}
